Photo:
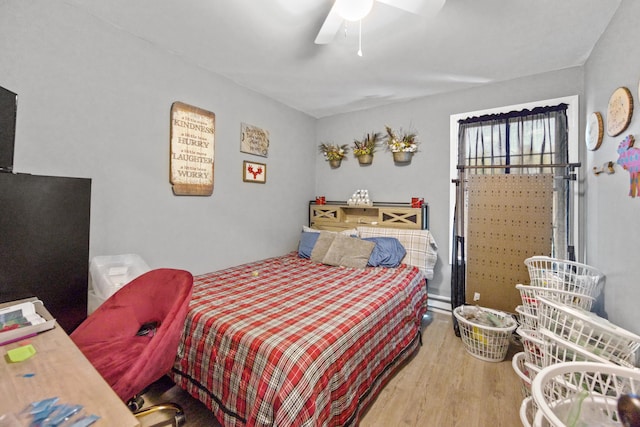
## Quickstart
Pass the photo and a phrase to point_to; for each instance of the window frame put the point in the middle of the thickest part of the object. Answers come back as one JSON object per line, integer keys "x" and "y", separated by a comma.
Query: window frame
{"x": 573, "y": 112}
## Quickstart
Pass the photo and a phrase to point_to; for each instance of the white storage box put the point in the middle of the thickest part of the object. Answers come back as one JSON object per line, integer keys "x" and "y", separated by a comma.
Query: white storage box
{"x": 33, "y": 311}
{"x": 110, "y": 273}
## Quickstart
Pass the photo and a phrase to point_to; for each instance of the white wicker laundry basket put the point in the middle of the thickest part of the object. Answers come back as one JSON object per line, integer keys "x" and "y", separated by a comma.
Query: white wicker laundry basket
{"x": 533, "y": 346}
{"x": 527, "y": 411}
{"x": 525, "y": 372}
{"x": 581, "y": 393}
{"x": 565, "y": 275}
{"x": 588, "y": 331}
{"x": 527, "y": 320}
{"x": 531, "y": 294}
{"x": 488, "y": 343}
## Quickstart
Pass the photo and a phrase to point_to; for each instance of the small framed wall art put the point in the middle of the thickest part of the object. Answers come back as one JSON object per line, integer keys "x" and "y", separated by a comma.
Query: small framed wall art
{"x": 254, "y": 172}
{"x": 619, "y": 111}
{"x": 254, "y": 140}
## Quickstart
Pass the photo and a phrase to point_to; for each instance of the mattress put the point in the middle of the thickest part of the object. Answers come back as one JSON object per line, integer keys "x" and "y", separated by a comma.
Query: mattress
{"x": 289, "y": 342}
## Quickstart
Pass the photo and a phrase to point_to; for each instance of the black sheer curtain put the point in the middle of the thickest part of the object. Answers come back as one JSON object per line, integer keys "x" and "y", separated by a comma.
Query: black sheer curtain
{"x": 527, "y": 137}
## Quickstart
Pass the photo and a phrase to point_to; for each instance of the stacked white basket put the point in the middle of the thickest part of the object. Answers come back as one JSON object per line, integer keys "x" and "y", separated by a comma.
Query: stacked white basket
{"x": 568, "y": 283}
{"x": 552, "y": 273}
{"x": 585, "y": 335}
{"x": 587, "y": 393}
{"x": 557, "y": 327}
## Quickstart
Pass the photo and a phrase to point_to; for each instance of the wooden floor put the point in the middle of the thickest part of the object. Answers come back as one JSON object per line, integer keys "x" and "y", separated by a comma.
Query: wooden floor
{"x": 442, "y": 385}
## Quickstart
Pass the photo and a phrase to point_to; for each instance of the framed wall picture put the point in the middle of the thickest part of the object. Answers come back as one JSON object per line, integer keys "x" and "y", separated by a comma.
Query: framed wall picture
{"x": 254, "y": 140}
{"x": 191, "y": 150}
{"x": 254, "y": 172}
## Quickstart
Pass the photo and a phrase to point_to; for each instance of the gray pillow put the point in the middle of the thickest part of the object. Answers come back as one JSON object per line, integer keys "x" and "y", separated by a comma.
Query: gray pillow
{"x": 322, "y": 246}
{"x": 349, "y": 252}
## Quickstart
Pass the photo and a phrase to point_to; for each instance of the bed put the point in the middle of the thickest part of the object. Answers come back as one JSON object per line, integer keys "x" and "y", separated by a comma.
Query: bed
{"x": 291, "y": 341}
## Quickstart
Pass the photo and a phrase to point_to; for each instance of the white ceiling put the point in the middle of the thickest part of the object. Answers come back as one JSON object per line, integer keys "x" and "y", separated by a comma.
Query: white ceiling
{"x": 268, "y": 45}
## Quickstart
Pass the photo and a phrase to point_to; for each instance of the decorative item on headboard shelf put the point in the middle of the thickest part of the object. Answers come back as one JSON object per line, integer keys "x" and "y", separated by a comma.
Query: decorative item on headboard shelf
{"x": 360, "y": 198}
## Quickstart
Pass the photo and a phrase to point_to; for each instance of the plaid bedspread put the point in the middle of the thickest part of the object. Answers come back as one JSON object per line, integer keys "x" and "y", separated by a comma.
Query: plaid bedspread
{"x": 289, "y": 342}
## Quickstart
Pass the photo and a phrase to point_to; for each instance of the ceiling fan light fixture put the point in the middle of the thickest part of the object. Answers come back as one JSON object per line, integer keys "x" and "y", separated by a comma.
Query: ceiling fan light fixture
{"x": 353, "y": 10}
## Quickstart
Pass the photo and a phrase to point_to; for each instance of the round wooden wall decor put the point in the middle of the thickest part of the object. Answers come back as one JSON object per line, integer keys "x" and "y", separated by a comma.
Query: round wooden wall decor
{"x": 619, "y": 111}
{"x": 595, "y": 131}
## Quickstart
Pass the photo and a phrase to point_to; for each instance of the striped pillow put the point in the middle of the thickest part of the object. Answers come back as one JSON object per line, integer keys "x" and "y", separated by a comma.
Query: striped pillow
{"x": 420, "y": 246}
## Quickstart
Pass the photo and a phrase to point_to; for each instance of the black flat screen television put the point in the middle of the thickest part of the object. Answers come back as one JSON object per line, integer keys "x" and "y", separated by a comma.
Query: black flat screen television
{"x": 44, "y": 243}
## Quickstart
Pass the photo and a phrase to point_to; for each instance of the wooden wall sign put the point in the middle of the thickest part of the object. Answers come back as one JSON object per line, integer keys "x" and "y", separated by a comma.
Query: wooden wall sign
{"x": 192, "y": 150}
{"x": 619, "y": 111}
{"x": 594, "y": 131}
{"x": 254, "y": 140}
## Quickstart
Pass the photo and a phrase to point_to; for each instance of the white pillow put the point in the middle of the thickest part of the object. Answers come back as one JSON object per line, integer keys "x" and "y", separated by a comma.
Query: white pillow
{"x": 420, "y": 246}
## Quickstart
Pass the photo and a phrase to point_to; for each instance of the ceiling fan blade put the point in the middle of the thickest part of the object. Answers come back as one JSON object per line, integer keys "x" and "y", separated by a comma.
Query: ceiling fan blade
{"x": 330, "y": 27}
{"x": 418, "y": 7}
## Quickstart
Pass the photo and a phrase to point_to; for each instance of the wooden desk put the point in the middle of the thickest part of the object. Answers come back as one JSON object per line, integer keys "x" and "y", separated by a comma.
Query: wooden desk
{"x": 60, "y": 370}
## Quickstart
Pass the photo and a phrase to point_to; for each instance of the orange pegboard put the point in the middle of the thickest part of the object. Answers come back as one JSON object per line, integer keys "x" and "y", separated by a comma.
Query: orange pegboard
{"x": 510, "y": 218}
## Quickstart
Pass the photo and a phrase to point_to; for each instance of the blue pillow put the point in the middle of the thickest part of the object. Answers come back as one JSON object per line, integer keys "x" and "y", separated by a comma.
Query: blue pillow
{"x": 307, "y": 242}
{"x": 388, "y": 252}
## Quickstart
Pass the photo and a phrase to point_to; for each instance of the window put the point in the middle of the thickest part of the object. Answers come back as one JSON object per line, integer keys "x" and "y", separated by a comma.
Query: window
{"x": 525, "y": 137}
{"x": 530, "y": 141}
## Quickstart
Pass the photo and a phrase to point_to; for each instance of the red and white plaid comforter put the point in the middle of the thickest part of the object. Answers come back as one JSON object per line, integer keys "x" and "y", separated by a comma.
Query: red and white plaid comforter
{"x": 289, "y": 342}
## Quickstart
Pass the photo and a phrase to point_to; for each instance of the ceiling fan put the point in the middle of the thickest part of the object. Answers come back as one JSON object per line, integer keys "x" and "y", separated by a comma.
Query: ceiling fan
{"x": 356, "y": 10}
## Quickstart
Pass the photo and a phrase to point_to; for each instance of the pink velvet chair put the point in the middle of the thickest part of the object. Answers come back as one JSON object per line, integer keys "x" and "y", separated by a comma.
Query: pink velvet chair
{"x": 132, "y": 338}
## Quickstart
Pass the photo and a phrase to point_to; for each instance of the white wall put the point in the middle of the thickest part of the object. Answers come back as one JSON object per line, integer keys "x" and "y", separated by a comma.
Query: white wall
{"x": 428, "y": 174}
{"x": 612, "y": 216}
{"x": 95, "y": 102}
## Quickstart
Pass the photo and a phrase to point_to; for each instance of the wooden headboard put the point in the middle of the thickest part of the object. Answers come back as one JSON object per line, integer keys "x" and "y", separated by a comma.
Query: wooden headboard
{"x": 338, "y": 216}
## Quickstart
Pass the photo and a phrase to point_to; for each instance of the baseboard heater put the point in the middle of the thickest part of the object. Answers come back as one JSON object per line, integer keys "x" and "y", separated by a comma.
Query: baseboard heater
{"x": 439, "y": 302}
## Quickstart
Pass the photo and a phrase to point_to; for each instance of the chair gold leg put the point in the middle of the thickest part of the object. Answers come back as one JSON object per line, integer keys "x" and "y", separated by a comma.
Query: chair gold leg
{"x": 179, "y": 417}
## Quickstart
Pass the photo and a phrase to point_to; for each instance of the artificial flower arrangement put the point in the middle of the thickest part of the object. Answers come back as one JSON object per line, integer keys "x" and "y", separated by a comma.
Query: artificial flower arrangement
{"x": 367, "y": 145}
{"x": 405, "y": 142}
{"x": 334, "y": 151}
